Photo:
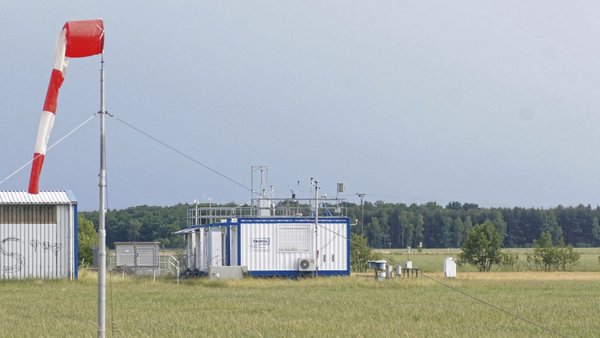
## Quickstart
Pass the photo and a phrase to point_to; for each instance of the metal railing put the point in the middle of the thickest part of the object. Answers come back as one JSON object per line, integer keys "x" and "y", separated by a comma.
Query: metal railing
{"x": 272, "y": 207}
{"x": 174, "y": 263}
{"x": 167, "y": 264}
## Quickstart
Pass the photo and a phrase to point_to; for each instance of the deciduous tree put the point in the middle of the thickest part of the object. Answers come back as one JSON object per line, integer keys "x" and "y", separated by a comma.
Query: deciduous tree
{"x": 482, "y": 246}
{"x": 87, "y": 238}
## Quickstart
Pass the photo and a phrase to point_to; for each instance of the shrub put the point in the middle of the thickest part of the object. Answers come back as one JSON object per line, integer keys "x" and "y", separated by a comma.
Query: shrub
{"x": 567, "y": 258}
{"x": 549, "y": 257}
{"x": 87, "y": 238}
{"x": 509, "y": 261}
{"x": 360, "y": 253}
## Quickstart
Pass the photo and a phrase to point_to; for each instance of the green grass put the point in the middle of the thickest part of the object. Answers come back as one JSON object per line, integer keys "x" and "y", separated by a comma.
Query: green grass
{"x": 352, "y": 306}
{"x": 432, "y": 260}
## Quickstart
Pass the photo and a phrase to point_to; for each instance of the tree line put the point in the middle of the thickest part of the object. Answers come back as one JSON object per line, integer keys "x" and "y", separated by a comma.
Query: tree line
{"x": 390, "y": 225}
{"x": 143, "y": 224}
{"x": 431, "y": 225}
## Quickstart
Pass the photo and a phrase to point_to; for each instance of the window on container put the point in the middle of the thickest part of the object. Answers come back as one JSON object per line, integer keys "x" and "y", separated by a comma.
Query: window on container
{"x": 28, "y": 214}
{"x": 293, "y": 238}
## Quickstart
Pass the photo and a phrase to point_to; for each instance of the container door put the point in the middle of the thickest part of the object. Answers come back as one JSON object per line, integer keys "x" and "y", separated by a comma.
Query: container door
{"x": 215, "y": 247}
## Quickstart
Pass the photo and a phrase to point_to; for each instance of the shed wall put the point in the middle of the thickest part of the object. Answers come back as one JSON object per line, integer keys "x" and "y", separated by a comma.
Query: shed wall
{"x": 37, "y": 241}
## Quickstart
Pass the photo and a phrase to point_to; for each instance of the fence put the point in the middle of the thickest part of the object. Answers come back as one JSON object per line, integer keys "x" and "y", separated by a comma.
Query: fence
{"x": 168, "y": 264}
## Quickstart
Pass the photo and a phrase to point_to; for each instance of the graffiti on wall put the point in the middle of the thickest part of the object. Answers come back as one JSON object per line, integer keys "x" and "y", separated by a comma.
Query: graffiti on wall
{"x": 46, "y": 246}
{"x": 16, "y": 259}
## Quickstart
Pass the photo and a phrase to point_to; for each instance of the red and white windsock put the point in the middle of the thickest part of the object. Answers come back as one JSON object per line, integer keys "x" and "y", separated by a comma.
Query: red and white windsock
{"x": 77, "y": 39}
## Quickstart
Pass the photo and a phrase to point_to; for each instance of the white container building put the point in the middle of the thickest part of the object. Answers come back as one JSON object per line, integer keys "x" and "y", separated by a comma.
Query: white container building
{"x": 272, "y": 246}
{"x": 271, "y": 237}
{"x": 38, "y": 235}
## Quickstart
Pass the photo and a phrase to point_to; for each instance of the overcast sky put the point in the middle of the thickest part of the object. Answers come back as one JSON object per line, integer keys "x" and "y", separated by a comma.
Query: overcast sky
{"x": 494, "y": 102}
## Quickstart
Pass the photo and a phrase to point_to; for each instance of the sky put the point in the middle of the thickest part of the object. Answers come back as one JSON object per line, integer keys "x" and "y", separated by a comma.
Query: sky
{"x": 494, "y": 102}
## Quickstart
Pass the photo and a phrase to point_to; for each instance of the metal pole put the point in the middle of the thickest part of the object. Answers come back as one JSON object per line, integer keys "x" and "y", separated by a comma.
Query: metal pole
{"x": 362, "y": 213}
{"x": 252, "y": 186}
{"x": 210, "y": 218}
{"x": 196, "y": 216}
{"x": 316, "y": 227}
{"x": 102, "y": 215}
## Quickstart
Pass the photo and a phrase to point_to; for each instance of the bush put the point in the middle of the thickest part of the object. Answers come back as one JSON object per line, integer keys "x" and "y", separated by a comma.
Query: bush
{"x": 567, "y": 258}
{"x": 550, "y": 257}
{"x": 509, "y": 261}
{"x": 360, "y": 253}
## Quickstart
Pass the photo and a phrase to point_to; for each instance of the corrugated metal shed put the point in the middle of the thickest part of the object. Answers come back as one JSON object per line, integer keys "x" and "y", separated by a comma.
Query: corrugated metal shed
{"x": 38, "y": 235}
{"x": 44, "y": 197}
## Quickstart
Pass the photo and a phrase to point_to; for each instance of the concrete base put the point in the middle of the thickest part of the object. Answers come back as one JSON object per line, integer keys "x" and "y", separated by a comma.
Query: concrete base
{"x": 227, "y": 272}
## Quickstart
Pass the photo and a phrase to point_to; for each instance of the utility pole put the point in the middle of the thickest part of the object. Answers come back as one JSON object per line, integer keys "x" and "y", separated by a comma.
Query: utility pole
{"x": 362, "y": 212}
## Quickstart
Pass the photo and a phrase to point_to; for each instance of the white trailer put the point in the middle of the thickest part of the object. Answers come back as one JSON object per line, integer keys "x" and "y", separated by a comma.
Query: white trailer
{"x": 275, "y": 246}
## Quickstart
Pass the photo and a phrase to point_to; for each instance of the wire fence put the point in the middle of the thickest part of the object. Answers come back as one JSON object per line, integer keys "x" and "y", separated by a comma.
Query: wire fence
{"x": 169, "y": 264}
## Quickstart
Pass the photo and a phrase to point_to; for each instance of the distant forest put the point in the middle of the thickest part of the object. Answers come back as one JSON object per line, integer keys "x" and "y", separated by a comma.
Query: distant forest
{"x": 389, "y": 225}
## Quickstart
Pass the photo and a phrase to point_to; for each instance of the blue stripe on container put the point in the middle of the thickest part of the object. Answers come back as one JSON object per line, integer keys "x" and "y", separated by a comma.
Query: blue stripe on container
{"x": 76, "y": 241}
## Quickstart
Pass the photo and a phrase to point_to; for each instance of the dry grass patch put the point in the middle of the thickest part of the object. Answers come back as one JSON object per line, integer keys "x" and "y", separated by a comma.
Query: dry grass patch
{"x": 529, "y": 276}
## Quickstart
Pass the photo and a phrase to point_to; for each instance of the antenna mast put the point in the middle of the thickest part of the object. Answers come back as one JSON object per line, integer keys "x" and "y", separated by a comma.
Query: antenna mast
{"x": 102, "y": 214}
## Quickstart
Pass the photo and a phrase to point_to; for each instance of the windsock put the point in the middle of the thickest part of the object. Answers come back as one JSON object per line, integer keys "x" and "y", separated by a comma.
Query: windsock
{"x": 77, "y": 39}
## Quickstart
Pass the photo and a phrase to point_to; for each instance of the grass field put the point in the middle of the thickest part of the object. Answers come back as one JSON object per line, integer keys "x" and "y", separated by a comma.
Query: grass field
{"x": 564, "y": 303}
{"x": 432, "y": 260}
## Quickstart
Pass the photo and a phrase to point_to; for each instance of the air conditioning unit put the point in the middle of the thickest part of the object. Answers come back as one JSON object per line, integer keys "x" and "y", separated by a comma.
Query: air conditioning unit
{"x": 306, "y": 264}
